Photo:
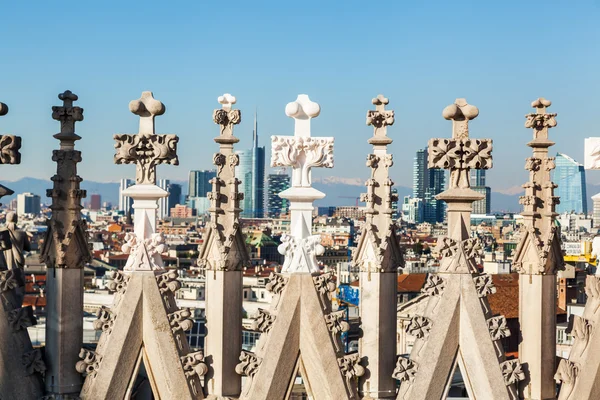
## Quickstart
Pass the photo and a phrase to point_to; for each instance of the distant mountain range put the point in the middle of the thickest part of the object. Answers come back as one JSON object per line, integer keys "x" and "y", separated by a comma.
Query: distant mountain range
{"x": 340, "y": 192}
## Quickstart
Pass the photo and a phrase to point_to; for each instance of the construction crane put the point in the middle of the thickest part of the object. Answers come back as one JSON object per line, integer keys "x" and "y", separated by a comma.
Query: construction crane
{"x": 351, "y": 197}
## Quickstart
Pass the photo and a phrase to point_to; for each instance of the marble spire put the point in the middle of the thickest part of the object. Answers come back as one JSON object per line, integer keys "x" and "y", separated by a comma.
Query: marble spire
{"x": 65, "y": 252}
{"x": 223, "y": 255}
{"x": 300, "y": 333}
{"x": 378, "y": 256}
{"x": 458, "y": 328}
{"x": 537, "y": 259}
{"x": 144, "y": 326}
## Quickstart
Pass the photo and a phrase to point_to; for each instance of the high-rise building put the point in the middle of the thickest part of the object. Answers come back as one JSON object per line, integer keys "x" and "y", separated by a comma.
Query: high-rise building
{"x": 28, "y": 203}
{"x": 395, "y": 211}
{"x": 95, "y": 202}
{"x": 569, "y": 175}
{"x": 412, "y": 210}
{"x": 428, "y": 183}
{"x": 199, "y": 182}
{"x": 174, "y": 196}
{"x": 125, "y": 202}
{"x": 483, "y": 206}
{"x": 251, "y": 172}
{"x": 163, "y": 203}
{"x": 277, "y": 183}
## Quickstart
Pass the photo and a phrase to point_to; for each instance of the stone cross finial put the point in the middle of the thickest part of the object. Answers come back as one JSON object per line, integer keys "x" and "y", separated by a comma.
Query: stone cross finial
{"x": 67, "y": 115}
{"x": 460, "y": 154}
{"x": 301, "y": 152}
{"x": 540, "y": 121}
{"x": 146, "y": 149}
{"x": 380, "y": 119}
{"x": 226, "y": 117}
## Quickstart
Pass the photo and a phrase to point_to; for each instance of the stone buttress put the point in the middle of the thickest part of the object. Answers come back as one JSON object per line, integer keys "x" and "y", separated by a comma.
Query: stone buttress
{"x": 144, "y": 330}
{"x": 458, "y": 328}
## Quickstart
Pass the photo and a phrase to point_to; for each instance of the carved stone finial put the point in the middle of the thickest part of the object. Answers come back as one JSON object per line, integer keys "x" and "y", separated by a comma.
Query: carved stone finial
{"x": 3, "y": 109}
{"x": 226, "y": 117}
{"x": 9, "y": 150}
{"x": 146, "y": 149}
{"x": 380, "y": 119}
{"x": 302, "y": 152}
{"x": 67, "y": 114}
{"x": 460, "y": 154}
{"x": 540, "y": 121}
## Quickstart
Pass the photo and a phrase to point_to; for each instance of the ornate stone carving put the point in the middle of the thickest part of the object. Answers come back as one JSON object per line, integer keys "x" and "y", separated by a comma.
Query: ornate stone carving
{"x": 448, "y": 247}
{"x": 460, "y": 154}
{"x": 350, "y": 368}
{"x": 9, "y": 280}
{"x": 9, "y": 149}
{"x": 144, "y": 251}
{"x": 540, "y": 121}
{"x": 21, "y": 318}
{"x": 118, "y": 281}
{"x": 566, "y": 374}
{"x": 336, "y": 324}
{"x": 146, "y": 149}
{"x": 263, "y": 321}
{"x": 67, "y": 114}
{"x": 168, "y": 282}
{"x": 484, "y": 285}
{"x": 498, "y": 327}
{"x": 194, "y": 364}
{"x": 276, "y": 283}
{"x": 303, "y": 153}
{"x": 512, "y": 372}
{"x": 582, "y": 329}
{"x": 419, "y": 326}
{"x": 380, "y": 117}
{"x": 405, "y": 370}
{"x": 300, "y": 254}
{"x": 33, "y": 362}
{"x": 325, "y": 285}
{"x": 592, "y": 287}
{"x": 105, "y": 321}
{"x": 434, "y": 285}
{"x": 89, "y": 364}
{"x": 181, "y": 320}
{"x": 248, "y": 365}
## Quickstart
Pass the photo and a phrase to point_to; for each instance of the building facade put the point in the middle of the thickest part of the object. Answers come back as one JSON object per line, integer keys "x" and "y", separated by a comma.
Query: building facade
{"x": 28, "y": 203}
{"x": 277, "y": 183}
{"x": 428, "y": 183}
{"x": 569, "y": 175}
{"x": 251, "y": 172}
{"x": 199, "y": 182}
{"x": 95, "y": 202}
{"x": 125, "y": 202}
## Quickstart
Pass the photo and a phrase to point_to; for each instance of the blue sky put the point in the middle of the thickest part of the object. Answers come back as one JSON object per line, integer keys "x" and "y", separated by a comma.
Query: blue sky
{"x": 422, "y": 55}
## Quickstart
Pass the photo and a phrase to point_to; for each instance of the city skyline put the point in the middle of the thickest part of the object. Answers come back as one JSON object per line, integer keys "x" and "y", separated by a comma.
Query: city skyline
{"x": 424, "y": 74}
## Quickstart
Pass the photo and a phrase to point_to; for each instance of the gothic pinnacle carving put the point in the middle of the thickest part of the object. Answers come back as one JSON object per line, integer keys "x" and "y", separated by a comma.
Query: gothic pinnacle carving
{"x": 263, "y": 321}
{"x": 66, "y": 244}
{"x": 350, "y": 368}
{"x": 512, "y": 372}
{"x": 33, "y": 362}
{"x": 89, "y": 364}
{"x": 406, "y": 369}
{"x": 146, "y": 149}
{"x": 336, "y": 325}
{"x": 434, "y": 285}
{"x": 21, "y": 318}
{"x": 105, "y": 320}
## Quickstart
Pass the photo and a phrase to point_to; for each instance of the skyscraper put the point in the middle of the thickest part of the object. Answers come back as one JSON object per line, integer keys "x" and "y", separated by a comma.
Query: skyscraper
{"x": 174, "y": 196}
{"x": 199, "y": 182}
{"x": 569, "y": 175}
{"x": 427, "y": 183}
{"x": 95, "y": 202}
{"x": 28, "y": 203}
{"x": 483, "y": 206}
{"x": 125, "y": 202}
{"x": 277, "y": 183}
{"x": 163, "y": 203}
{"x": 251, "y": 172}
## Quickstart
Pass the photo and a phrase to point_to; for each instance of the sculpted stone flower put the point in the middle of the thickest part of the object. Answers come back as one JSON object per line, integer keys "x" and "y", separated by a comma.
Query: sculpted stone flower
{"x": 477, "y": 153}
{"x": 33, "y": 362}
{"x": 405, "y": 370}
{"x": 484, "y": 285}
{"x": 512, "y": 371}
{"x": 220, "y": 117}
{"x": 446, "y": 246}
{"x": 434, "y": 285}
{"x": 419, "y": 326}
{"x": 443, "y": 153}
{"x": 498, "y": 327}
{"x": 234, "y": 116}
